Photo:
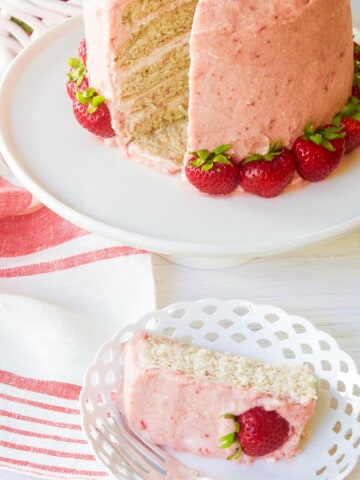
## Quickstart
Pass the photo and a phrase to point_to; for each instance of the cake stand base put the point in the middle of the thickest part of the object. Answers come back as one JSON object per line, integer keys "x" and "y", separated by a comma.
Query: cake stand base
{"x": 207, "y": 262}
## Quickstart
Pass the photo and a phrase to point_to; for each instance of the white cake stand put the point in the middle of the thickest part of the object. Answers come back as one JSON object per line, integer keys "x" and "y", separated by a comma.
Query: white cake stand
{"x": 92, "y": 186}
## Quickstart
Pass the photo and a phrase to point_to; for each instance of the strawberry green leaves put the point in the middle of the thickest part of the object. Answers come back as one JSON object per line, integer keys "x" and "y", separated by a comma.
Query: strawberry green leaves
{"x": 275, "y": 149}
{"x": 91, "y": 98}
{"x": 323, "y": 136}
{"x": 232, "y": 438}
{"x": 205, "y": 160}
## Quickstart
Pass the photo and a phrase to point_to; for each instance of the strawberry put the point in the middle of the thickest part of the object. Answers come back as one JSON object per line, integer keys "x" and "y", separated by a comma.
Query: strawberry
{"x": 349, "y": 121}
{"x": 267, "y": 175}
{"x": 92, "y": 113}
{"x": 319, "y": 152}
{"x": 215, "y": 173}
{"x": 82, "y": 51}
{"x": 257, "y": 432}
{"x": 77, "y": 79}
{"x": 262, "y": 431}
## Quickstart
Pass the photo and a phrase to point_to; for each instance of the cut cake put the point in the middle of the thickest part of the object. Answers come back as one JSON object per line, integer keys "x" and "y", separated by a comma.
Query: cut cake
{"x": 187, "y": 398}
{"x": 184, "y": 75}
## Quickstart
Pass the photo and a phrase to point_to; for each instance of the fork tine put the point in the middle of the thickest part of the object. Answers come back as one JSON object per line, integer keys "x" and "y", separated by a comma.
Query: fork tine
{"x": 152, "y": 448}
{"x": 128, "y": 460}
{"x": 142, "y": 457}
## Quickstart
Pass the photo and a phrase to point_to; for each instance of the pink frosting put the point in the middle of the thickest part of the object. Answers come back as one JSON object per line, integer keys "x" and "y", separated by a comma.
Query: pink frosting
{"x": 261, "y": 70}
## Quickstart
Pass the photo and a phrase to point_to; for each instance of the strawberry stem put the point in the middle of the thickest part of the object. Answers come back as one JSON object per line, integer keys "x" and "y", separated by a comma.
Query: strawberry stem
{"x": 275, "y": 149}
{"x": 232, "y": 438}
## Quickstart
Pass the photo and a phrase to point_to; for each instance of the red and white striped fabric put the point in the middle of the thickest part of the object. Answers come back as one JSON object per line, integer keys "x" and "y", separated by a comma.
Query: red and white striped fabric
{"x": 63, "y": 292}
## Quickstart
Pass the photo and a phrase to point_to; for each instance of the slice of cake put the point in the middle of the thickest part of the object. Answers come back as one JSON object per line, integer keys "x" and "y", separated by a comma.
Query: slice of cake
{"x": 184, "y": 75}
{"x": 196, "y": 400}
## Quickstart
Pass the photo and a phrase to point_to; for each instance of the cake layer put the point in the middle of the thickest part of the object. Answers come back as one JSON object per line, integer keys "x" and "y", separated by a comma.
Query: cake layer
{"x": 176, "y": 394}
{"x": 143, "y": 46}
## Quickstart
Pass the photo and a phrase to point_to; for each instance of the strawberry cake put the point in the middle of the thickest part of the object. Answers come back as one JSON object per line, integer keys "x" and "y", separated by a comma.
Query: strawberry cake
{"x": 183, "y": 79}
{"x": 213, "y": 404}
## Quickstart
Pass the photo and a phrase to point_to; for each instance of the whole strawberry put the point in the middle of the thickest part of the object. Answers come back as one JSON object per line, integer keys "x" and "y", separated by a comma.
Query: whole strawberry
{"x": 267, "y": 175}
{"x": 262, "y": 431}
{"x": 319, "y": 152}
{"x": 92, "y": 113}
{"x": 349, "y": 121}
{"x": 214, "y": 173}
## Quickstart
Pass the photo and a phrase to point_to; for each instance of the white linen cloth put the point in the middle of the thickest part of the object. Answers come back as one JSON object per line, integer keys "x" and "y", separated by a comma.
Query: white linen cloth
{"x": 63, "y": 292}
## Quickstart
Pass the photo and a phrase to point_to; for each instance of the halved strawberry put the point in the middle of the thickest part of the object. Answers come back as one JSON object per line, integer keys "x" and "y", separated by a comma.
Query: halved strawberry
{"x": 215, "y": 173}
{"x": 257, "y": 432}
{"x": 267, "y": 175}
{"x": 92, "y": 113}
{"x": 262, "y": 431}
{"x": 349, "y": 121}
{"x": 319, "y": 152}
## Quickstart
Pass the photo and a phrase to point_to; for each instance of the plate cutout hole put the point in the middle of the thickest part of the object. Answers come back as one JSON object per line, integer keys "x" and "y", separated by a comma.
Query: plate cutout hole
{"x": 324, "y": 384}
{"x": 168, "y": 331}
{"x": 152, "y": 323}
{"x": 238, "y": 337}
{"x": 288, "y": 353}
{"x": 197, "y": 324}
{"x": 264, "y": 343}
{"x": 298, "y": 328}
{"x": 324, "y": 346}
{"x": 333, "y": 404}
{"x": 178, "y": 313}
{"x": 281, "y": 335}
{"x": 341, "y": 387}
{"x": 348, "y": 434}
{"x": 186, "y": 339}
{"x": 356, "y": 390}
{"x": 306, "y": 348}
{"x": 333, "y": 450}
{"x": 337, "y": 427}
{"x": 326, "y": 365}
{"x": 349, "y": 409}
{"x": 344, "y": 367}
{"x": 241, "y": 311}
{"x": 340, "y": 459}
{"x": 254, "y": 326}
{"x": 272, "y": 317}
{"x": 211, "y": 336}
{"x": 321, "y": 471}
{"x": 209, "y": 309}
{"x": 226, "y": 323}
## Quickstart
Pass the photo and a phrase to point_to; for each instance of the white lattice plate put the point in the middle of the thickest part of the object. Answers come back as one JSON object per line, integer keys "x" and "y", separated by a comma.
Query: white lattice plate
{"x": 258, "y": 331}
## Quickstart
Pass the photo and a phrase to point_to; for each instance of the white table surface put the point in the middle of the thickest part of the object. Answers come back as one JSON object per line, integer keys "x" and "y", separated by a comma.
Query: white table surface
{"x": 321, "y": 283}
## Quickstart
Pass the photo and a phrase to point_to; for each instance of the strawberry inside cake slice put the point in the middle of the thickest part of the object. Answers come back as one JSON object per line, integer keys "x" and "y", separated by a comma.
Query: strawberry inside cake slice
{"x": 211, "y": 403}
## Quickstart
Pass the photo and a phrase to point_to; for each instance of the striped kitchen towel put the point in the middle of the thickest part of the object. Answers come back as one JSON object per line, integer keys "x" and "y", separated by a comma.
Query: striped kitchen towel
{"x": 64, "y": 292}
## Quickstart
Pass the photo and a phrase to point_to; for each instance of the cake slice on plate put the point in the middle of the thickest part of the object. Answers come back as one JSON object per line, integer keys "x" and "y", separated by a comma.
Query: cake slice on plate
{"x": 211, "y": 403}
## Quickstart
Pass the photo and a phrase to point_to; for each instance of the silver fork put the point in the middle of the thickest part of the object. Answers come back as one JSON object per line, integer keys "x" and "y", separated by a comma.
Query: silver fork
{"x": 139, "y": 457}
